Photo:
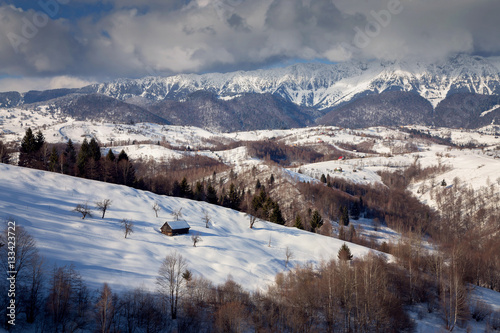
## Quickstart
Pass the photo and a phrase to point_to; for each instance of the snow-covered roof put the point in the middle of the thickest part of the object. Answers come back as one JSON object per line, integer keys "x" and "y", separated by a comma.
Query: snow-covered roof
{"x": 175, "y": 225}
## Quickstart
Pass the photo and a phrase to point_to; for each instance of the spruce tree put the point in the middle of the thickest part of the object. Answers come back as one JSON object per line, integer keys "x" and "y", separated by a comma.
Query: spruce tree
{"x": 355, "y": 210}
{"x": 30, "y": 145}
{"x": 94, "y": 150}
{"x": 344, "y": 253}
{"x": 276, "y": 216}
{"x": 83, "y": 158}
{"x": 211, "y": 194}
{"x": 316, "y": 220}
{"x": 323, "y": 178}
{"x": 298, "y": 222}
{"x": 185, "y": 190}
{"x": 53, "y": 160}
{"x": 344, "y": 216}
{"x": 110, "y": 156}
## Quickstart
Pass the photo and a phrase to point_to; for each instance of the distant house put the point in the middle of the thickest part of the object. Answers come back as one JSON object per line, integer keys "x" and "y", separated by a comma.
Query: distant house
{"x": 172, "y": 228}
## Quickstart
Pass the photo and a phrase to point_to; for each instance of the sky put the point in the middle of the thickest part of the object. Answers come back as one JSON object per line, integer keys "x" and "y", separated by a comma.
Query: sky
{"x": 47, "y": 44}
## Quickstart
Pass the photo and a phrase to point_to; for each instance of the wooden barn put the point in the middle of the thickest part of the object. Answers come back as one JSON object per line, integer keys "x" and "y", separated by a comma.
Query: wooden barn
{"x": 172, "y": 228}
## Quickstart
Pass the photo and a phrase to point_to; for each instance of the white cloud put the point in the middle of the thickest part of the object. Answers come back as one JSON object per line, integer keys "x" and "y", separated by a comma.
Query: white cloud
{"x": 35, "y": 83}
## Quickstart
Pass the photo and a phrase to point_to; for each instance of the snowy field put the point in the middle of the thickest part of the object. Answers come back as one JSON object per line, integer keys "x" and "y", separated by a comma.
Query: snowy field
{"x": 43, "y": 203}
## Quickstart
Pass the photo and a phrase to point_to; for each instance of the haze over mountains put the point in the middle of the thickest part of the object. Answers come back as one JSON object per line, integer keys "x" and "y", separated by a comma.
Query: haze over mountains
{"x": 462, "y": 91}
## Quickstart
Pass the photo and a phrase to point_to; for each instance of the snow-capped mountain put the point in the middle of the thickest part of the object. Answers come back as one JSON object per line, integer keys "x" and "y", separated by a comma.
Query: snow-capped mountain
{"x": 457, "y": 92}
{"x": 323, "y": 86}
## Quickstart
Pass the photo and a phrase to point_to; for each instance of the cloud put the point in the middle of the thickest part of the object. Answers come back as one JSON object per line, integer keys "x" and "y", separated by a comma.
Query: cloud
{"x": 160, "y": 37}
{"x": 25, "y": 84}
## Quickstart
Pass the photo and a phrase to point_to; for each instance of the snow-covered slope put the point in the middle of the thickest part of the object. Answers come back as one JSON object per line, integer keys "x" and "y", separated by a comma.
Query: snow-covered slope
{"x": 43, "y": 203}
{"x": 323, "y": 85}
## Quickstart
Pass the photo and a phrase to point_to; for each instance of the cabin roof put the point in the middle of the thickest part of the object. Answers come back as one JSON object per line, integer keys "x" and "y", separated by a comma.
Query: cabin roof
{"x": 176, "y": 225}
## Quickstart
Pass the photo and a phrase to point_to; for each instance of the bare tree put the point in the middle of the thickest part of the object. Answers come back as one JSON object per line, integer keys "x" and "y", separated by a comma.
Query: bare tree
{"x": 196, "y": 238}
{"x": 206, "y": 219}
{"x": 288, "y": 256}
{"x": 105, "y": 310}
{"x": 253, "y": 219}
{"x": 83, "y": 209}
{"x": 177, "y": 214}
{"x": 156, "y": 208}
{"x": 103, "y": 206}
{"x": 170, "y": 279}
{"x": 127, "y": 226}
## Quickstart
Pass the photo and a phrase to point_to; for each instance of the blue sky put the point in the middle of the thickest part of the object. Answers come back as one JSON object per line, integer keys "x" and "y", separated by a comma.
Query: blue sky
{"x": 68, "y": 43}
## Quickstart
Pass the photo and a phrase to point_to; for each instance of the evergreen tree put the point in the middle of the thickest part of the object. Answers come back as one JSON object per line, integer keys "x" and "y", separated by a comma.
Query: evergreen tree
{"x": 211, "y": 194}
{"x": 276, "y": 216}
{"x": 316, "y": 220}
{"x": 111, "y": 156}
{"x": 83, "y": 158}
{"x": 39, "y": 140}
{"x": 185, "y": 190}
{"x": 258, "y": 185}
{"x": 94, "y": 150}
{"x": 53, "y": 160}
{"x": 344, "y": 216}
{"x": 176, "y": 189}
{"x": 199, "y": 192}
{"x": 323, "y": 178}
{"x": 122, "y": 156}
{"x": 69, "y": 158}
{"x": 30, "y": 147}
{"x": 355, "y": 210}
{"x": 298, "y": 222}
{"x": 234, "y": 197}
{"x": 344, "y": 253}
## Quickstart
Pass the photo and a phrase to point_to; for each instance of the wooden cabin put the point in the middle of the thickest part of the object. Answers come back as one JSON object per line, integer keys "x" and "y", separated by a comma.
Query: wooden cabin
{"x": 173, "y": 228}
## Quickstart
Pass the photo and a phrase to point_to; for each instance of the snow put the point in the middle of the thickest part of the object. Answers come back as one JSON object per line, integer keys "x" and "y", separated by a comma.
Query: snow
{"x": 175, "y": 225}
{"x": 490, "y": 110}
{"x": 43, "y": 203}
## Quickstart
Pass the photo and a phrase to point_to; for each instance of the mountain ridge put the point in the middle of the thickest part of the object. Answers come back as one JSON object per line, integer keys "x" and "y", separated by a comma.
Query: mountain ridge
{"x": 297, "y": 95}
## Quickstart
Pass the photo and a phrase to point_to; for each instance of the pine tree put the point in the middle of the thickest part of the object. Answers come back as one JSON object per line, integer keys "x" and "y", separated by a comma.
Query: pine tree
{"x": 94, "y": 150}
{"x": 199, "y": 191}
{"x": 298, "y": 222}
{"x": 344, "y": 253}
{"x": 53, "y": 160}
{"x": 355, "y": 210}
{"x": 69, "y": 158}
{"x": 344, "y": 216}
{"x": 122, "y": 156}
{"x": 30, "y": 146}
{"x": 316, "y": 220}
{"x": 211, "y": 194}
{"x": 323, "y": 178}
{"x": 110, "y": 156}
{"x": 276, "y": 216}
{"x": 82, "y": 158}
{"x": 233, "y": 197}
{"x": 185, "y": 190}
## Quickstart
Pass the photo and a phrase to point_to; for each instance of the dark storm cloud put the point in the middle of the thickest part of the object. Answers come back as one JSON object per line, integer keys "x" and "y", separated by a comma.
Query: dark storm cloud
{"x": 138, "y": 37}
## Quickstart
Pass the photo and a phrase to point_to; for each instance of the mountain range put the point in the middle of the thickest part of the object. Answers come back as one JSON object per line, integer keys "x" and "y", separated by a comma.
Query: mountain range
{"x": 462, "y": 91}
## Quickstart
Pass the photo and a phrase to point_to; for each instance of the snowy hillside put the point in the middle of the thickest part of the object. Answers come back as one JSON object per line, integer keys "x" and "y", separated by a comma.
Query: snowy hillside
{"x": 43, "y": 203}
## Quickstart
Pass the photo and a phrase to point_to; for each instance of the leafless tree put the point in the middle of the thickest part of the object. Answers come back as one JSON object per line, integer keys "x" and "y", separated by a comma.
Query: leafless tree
{"x": 105, "y": 310}
{"x": 253, "y": 219}
{"x": 103, "y": 206}
{"x": 127, "y": 226}
{"x": 156, "y": 208}
{"x": 196, "y": 238}
{"x": 170, "y": 280}
{"x": 288, "y": 256}
{"x": 177, "y": 214}
{"x": 83, "y": 209}
{"x": 206, "y": 219}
